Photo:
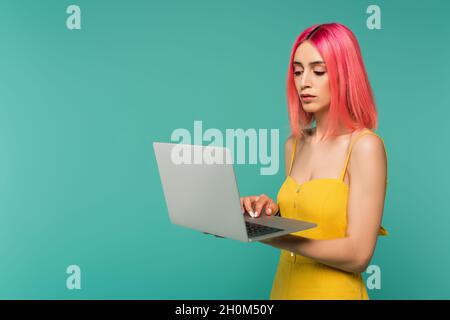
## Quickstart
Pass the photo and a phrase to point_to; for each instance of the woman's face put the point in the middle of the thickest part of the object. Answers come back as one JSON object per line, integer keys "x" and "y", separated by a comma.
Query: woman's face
{"x": 311, "y": 78}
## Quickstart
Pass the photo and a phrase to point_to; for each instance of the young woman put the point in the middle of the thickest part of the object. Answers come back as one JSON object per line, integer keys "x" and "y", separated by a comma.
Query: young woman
{"x": 336, "y": 171}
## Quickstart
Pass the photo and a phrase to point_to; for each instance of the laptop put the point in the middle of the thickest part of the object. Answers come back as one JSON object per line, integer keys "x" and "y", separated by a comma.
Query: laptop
{"x": 201, "y": 193}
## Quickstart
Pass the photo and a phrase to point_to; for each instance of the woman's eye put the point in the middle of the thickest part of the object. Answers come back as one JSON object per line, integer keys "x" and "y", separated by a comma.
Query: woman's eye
{"x": 318, "y": 73}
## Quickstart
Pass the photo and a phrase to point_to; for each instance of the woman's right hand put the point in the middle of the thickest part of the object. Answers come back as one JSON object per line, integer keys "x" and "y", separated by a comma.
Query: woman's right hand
{"x": 254, "y": 205}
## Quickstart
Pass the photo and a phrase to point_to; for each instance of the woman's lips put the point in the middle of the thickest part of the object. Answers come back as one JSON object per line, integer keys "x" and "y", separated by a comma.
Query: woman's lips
{"x": 307, "y": 98}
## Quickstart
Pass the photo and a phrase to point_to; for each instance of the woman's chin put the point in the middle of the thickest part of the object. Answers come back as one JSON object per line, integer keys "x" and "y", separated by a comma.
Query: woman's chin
{"x": 312, "y": 107}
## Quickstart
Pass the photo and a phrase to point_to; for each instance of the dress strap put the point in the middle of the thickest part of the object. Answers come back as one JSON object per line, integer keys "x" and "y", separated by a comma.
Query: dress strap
{"x": 362, "y": 133}
{"x": 292, "y": 155}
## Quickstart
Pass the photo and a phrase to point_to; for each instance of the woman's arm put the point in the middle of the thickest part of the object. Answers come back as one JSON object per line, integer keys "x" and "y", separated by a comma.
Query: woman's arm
{"x": 365, "y": 209}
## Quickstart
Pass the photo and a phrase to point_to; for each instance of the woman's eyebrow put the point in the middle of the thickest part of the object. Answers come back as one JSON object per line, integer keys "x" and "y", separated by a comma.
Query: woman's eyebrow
{"x": 311, "y": 63}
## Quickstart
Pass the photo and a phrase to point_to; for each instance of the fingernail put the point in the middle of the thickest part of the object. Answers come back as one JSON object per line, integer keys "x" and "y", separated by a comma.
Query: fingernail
{"x": 251, "y": 214}
{"x": 269, "y": 211}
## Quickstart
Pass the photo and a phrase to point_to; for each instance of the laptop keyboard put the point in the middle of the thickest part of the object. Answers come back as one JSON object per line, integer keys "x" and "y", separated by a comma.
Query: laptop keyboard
{"x": 256, "y": 230}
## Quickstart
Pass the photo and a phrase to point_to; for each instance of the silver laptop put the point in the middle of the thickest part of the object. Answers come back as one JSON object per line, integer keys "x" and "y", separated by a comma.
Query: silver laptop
{"x": 201, "y": 193}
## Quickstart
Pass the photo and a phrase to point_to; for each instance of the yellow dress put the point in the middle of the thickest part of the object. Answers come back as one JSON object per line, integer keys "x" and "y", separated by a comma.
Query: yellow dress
{"x": 322, "y": 201}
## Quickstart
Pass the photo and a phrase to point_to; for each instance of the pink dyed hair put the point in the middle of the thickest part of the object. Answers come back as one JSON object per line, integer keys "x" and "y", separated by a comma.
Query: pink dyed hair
{"x": 351, "y": 98}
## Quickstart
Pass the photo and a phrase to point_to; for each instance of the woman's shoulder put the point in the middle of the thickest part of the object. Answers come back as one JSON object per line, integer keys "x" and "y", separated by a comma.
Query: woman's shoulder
{"x": 369, "y": 150}
{"x": 366, "y": 130}
{"x": 294, "y": 140}
{"x": 289, "y": 145}
{"x": 368, "y": 141}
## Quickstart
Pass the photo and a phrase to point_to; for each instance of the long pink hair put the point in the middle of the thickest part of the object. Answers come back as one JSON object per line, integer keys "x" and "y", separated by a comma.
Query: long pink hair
{"x": 352, "y": 104}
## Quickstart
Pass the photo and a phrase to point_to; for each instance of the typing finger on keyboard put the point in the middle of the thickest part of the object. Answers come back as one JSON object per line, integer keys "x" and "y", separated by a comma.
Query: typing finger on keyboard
{"x": 254, "y": 205}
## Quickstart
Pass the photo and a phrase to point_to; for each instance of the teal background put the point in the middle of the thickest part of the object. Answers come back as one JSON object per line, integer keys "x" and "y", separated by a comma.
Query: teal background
{"x": 79, "y": 111}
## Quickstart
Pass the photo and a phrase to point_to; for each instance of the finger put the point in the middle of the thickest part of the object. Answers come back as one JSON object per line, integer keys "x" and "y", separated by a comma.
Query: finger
{"x": 259, "y": 205}
{"x": 253, "y": 201}
{"x": 248, "y": 205}
{"x": 271, "y": 207}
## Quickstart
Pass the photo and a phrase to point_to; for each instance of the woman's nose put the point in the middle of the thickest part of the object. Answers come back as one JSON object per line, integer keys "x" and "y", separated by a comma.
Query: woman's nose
{"x": 305, "y": 80}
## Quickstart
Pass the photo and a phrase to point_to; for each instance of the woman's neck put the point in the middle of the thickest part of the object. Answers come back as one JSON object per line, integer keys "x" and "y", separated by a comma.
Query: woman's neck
{"x": 315, "y": 134}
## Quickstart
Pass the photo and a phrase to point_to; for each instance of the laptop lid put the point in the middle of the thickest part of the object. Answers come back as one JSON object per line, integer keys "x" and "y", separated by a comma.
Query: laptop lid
{"x": 201, "y": 194}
